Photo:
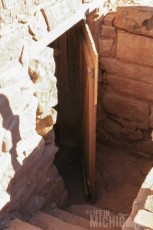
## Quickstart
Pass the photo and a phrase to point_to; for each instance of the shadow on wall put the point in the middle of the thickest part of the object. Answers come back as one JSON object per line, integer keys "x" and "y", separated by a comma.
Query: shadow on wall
{"x": 10, "y": 138}
{"x": 6, "y": 112}
{"x": 16, "y": 185}
{"x": 28, "y": 178}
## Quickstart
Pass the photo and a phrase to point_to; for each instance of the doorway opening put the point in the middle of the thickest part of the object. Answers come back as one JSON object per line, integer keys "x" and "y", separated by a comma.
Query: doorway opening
{"x": 75, "y": 130}
{"x": 66, "y": 129}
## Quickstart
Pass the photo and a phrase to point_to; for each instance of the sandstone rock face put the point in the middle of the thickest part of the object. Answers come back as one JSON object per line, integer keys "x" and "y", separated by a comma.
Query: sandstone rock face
{"x": 137, "y": 20}
{"x": 12, "y": 11}
{"x": 26, "y": 162}
{"x": 106, "y": 46}
{"x": 37, "y": 26}
{"x": 41, "y": 71}
{"x": 56, "y": 13}
{"x": 127, "y": 81}
{"x": 134, "y": 48}
{"x": 128, "y": 70}
{"x": 108, "y": 31}
{"x": 128, "y": 109}
{"x": 28, "y": 92}
{"x": 126, "y": 95}
{"x": 109, "y": 19}
{"x": 136, "y": 89}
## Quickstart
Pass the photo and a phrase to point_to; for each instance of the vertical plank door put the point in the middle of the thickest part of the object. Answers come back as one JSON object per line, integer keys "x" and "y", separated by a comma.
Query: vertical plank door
{"x": 88, "y": 102}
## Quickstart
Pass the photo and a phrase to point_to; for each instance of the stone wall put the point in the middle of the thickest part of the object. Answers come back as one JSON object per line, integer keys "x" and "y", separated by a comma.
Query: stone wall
{"x": 12, "y": 11}
{"x": 28, "y": 94}
{"x": 141, "y": 216}
{"x": 125, "y": 110}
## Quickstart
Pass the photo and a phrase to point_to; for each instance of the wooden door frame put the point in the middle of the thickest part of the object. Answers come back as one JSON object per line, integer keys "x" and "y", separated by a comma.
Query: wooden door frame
{"x": 91, "y": 56}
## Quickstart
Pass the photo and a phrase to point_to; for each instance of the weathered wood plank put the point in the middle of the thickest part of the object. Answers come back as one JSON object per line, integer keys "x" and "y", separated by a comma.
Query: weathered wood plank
{"x": 88, "y": 83}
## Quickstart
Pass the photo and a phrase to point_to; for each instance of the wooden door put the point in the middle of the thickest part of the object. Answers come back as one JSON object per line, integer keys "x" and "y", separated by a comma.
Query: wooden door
{"x": 88, "y": 102}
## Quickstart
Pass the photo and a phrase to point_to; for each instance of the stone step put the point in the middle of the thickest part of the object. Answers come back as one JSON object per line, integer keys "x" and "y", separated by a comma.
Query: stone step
{"x": 98, "y": 218}
{"x": 69, "y": 217}
{"x": 20, "y": 225}
{"x": 84, "y": 210}
{"x": 144, "y": 218}
{"x": 77, "y": 220}
{"x": 49, "y": 222}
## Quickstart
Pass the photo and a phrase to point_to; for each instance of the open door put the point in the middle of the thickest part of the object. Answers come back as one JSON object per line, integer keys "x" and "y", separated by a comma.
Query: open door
{"x": 88, "y": 102}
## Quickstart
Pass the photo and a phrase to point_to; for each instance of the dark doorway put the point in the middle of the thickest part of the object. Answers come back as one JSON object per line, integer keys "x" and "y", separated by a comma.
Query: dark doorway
{"x": 67, "y": 160}
{"x": 76, "y": 71}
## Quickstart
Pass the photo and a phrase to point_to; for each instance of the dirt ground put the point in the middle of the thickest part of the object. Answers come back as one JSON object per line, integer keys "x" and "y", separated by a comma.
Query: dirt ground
{"x": 119, "y": 177}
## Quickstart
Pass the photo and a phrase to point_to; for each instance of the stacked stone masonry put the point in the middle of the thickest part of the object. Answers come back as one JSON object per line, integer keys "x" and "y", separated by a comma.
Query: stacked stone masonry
{"x": 28, "y": 94}
{"x": 126, "y": 90}
{"x": 142, "y": 211}
{"x": 125, "y": 117}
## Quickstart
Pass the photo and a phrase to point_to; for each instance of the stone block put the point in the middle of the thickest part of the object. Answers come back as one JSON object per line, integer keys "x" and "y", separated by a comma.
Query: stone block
{"x": 137, "y": 20}
{"x": 136, "y": 89}
{"x": 12, "y": 44}
{"x": 144, "y": 147}
{"x": 108, "y": 31}
{"x": 35, "y": 178}
{"x": 132, "y": 125}
{"x": 45, "y": 123}
{"x": 144, "y": 218}
{"x": 16, "y": 98}
{"x": 29, "y": 148}
{"x": 41, "y": 71}
{"x": 27, "y": 118}
{"x": 37, "y": 26}
{"x": 112, "y": 127}
{"x": 46, "y": 93}
{"x": 135, "y": 48}
{"x": 131, "y": 135}
{"x": 7, "y": 142}
{"x": 48, "y": 157}
{"x": 127, "y": 69}
{"x": 149, "y": 203}
{"x": 117, "y": 131}
{"x": 16, "y": 89}
{"x": 148, "y": 182}
{"x": 18, "y": 224}
{"x": 11, "y": 47}
{"x": 126, "y": 108}
{"x": 55, "y": 14}
{"x": 43, "y": 66}
{"x": 13, "y": 73}
{"x": 105, "y": 47}
{"x": 35, "y": 183}
{"x": 109, "y": 19}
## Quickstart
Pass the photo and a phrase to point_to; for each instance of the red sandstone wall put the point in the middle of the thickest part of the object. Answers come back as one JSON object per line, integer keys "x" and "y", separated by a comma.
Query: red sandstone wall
{"x": 125, "y": 110}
